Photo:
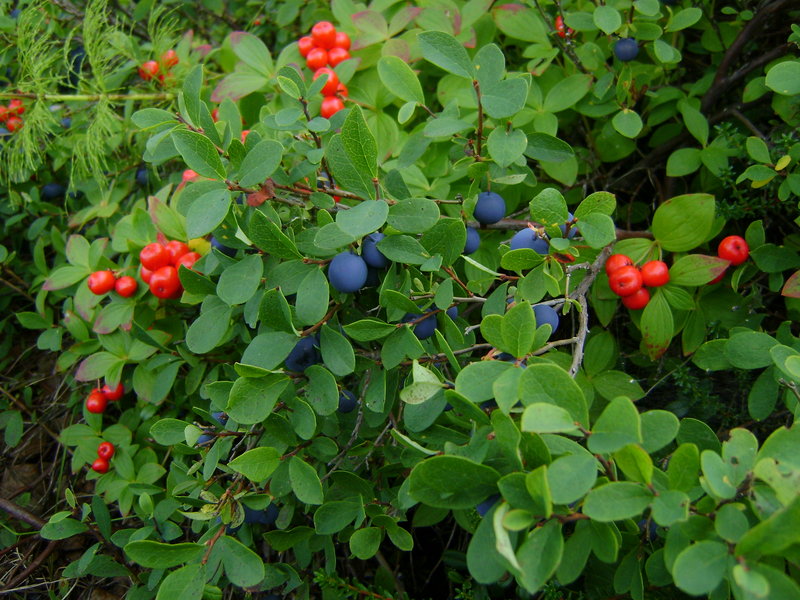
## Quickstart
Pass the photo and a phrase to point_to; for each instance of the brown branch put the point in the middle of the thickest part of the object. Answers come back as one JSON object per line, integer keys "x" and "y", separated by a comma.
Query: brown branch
{"x": 21, "y": 514}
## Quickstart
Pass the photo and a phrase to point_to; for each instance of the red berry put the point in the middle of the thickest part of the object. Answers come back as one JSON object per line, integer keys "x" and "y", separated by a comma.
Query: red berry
{"x": 245, "y": 132}
{"x": 324, "y": 34}
{"x": 187, "y": 260}
{"x": 341, "y": 90}
{"x": 329, "y": 89}
{"x": 655, "y": 273}
{"x": 560, "y": 29}
{"x": 170, "y": 58}
{"x": 617, "y": 261}
{"x": 154, "y": 256}
{"x": 101, "y": 282}
{"x": 16, "y": 106}
{"x": 4, "y": 114}
{"x": 330, "y": 106}
{"x": 625, "y": 281}
{"x": 126, "y": 286}
{"x": 214, "y": 116}
{"x": 96, "y": 402}
{"x": 337, "y": 55}
{"x": 175, "y": 249}
{"x": 305, "y": 44}
{"x": 100, "y": 465}
{"x": 638, "y": 300}
{"x": 342, "y": 40}
{"x": 165, "y": 283}
{"x": 105, "y": 451}
{"x": 317, "y": 58}
{"x": 113, "y": 394}
{"x": 148, "y": 70}
{"x": 145, "y": 274}
{"x": 734, "y": 249}
{"x": 14, "y": 123}
{"x": 189, "y": 175}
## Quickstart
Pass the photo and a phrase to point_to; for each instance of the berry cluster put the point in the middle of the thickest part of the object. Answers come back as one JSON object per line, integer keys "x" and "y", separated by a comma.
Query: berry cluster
{"x": 326, "y": 48}
{"x": 628, "y": 282}
{"x": 10, "y": 115}
{"x": 102, "y": 282}
{"x": 104, "y": 453}
{"x": 160, "y": 263}
{"x": 159, "y": 69}
{"x": 98, "y": 398}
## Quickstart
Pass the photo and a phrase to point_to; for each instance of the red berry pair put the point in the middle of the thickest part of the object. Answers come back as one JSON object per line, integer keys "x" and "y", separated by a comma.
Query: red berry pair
{"x": 323, "y": 48}
{"x": 104, "y": 453}
{"x": 151, "y": 68}
{"x": 734, "y": 249}
{"x": 562, "y": 30}
{"x": 10, "y": 115}
{"x": 98, "y": 398}
{"x": 102, "y": 282}
{"x": 628, "y": 282}
{"x": 160, "y": 264}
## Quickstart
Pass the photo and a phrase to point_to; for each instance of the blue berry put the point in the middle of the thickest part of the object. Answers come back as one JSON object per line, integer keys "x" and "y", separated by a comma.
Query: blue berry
{"x": 545, "y": 315}
{"x": 141, "y": 176}
{"x": 66, "y": 122}
{"x": 204, "y": 439}
{"x": 452, "y": 312}
{"x": 51, "y": 191}
{"x": 473, "y": 240}
{"x": 370, "y": 253}
{"x": 220, "y": 417}
{"x": 347, "y": 401}
{"x": 347, "y": 272}
{"x": 626, "y": 49}
{"x": 425, "y": 328}
{"x": 260, "y": 517}
{"x": 215, "y": 243}
{"x": 303, "y": 355}
{"x": 528, "y": 238}
{"x": 487, "y": 504}
{"x": 490, "y": 208}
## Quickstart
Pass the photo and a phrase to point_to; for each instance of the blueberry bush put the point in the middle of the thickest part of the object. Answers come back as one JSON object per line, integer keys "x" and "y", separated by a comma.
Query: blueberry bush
{"x": 452, "y": 299}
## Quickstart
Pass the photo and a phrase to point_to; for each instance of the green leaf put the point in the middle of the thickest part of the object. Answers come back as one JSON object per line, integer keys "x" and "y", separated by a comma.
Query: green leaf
{"x": 452, "y": 482}
{"x": 415, "y": 215}
{"x": 616, "y": 501}
{"x": 207, "y": 212}
{"x": 627, "y": 122}
{"x": 597, "y": 229}
{"x": 364, "y": 543}
{"x": 659, "y": 428}
{"x": 540, "y": 555}
{"x": 699, "y": 569}
{"x": 774, "y": 534}
{"x": 684, "y": 466}
{"x": 260, "y": 162}
{"x": 62, "y": 529}
{"x": 567, "y": 92}
{"x": 519, "y": 330}
{"x": 359, "y": 143}
{"x": 505, "y": 98}
{"x": 403, "y": 249}
{"x": 545, "y": 147}
{"x": 696, "y": 269}
{"x": 199, "y": 153}
{"x": 363, "y": 218}
{"x": 684, "y": 18}
{"x": 446, "y": 238}
{"x": 635, "y": 463}
{"x": 252, "y": 51}
{"x": 252, "y": 399}
{"x": 368, "y": 330}
{"x": 337, "y": 352}
{"x": 570, "y": 477}
{"x": 542, "y": 382}
{"x": 683, "y": 161}
{"x": 757, "y": 149}
{"x": 186, "y": 583}
{"x": 695, "y": 121}
{"x": 208, "y": 330}
{"x": 155, "y": 555}
{"x": 445, "y": 51}
{"x": 506, "y": 146}
{"x": 597, "y": 202}
{"x": 239, "y": 282}
{"x": 541, "y": 417}
{"x": 657, "y": 326}
{"x": 168, "y": 432}
{"x": 313, "y": 295}
{"x": 618, "y": 425}
{"x": 750, "y": 349}
{"x": 256, "y": 464}
{"x": 332, "y": 517}
{"x": 784, "y": 78}
{"x": 607, "y": 19}
{"x": 400, "y": 79}
{"x": 305, "y": 481}
{"x": 684, "y": 222}
{"x": 268, "y": 237}
{"x": 346, "y": 174}
{"x": 242, "y": 566}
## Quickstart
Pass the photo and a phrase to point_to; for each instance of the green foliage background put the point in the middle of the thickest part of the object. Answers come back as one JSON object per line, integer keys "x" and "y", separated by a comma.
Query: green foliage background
{"x": 640, "y": 454}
